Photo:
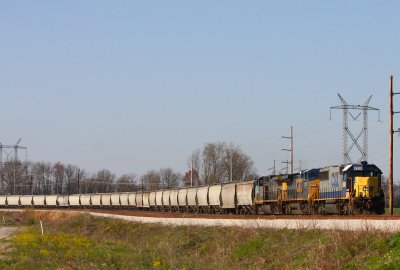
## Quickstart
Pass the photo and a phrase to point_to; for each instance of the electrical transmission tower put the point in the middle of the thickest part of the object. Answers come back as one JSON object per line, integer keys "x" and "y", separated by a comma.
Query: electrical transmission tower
{"x": 347, "y": 111}
{"x": 14, "y": 147}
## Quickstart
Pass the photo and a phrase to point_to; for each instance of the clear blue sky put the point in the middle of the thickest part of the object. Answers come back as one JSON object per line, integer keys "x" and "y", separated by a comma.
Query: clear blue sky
{"x": 137, "y": 85}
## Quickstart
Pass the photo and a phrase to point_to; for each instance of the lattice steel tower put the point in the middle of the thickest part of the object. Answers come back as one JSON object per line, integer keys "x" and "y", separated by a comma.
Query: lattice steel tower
{"x": 363, "y": 109}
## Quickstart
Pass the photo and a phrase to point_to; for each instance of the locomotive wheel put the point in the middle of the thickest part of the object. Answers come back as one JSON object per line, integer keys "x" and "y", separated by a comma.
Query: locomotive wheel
{"x": 304, "y": 208}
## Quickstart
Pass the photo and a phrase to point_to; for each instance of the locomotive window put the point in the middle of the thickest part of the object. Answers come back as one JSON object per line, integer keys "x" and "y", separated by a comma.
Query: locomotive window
{"x": 324, "y": 175}
{"x": 312, "y": 174}
{"x": 367, "y": 173}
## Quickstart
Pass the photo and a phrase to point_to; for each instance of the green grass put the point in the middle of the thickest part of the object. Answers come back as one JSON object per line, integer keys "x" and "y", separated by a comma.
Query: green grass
{"x": 80, "y": 241}
{"x": 396, "y": 211}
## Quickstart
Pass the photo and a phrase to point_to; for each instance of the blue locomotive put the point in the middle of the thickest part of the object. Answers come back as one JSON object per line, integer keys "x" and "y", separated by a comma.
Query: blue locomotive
{"x": 346, "y": 189}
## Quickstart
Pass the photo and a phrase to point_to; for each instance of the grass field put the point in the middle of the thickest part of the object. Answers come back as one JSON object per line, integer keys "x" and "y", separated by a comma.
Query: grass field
{"x": 396, "y": 211}
{"x": 80, "y": 241}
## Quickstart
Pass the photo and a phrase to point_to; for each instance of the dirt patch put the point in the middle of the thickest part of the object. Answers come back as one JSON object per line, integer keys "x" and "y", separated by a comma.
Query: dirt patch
{"x": 6, "y": 233}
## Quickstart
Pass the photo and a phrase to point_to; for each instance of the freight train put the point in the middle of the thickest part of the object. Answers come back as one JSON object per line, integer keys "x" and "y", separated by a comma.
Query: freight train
{"x": 343, "y": 190}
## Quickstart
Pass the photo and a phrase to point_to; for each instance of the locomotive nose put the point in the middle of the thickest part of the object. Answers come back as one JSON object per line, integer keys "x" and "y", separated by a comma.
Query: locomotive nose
{"x": 366, "y": 186}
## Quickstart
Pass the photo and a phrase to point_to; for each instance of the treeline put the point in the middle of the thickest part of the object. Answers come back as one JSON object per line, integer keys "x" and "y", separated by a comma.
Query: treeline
{"x": 216, "y": 162}
{"x": 45, "y": 178}
{"x": 396, "y": 192}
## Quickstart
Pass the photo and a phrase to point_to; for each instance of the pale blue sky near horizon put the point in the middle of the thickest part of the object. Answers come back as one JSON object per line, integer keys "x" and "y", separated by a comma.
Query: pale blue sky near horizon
{"x": 138, "y": 85}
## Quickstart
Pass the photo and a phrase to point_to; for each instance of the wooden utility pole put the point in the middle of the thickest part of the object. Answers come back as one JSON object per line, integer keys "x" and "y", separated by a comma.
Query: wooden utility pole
{"x": 391, "y": 147}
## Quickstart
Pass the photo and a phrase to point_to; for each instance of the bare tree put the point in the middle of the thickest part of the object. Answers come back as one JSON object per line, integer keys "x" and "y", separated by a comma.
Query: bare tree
{"x": 213, "y": 163}
{"x": 151, "y": 180}
{"x": 126, "y": 183}
{"x": 43, "y": 175}
{"x": 12, "y": 175}
{"x": 219, "y": 162}
{"x": 169, "y": 178}
{"x": 104, "y": 181}
{"x": 80, "y": 175}
{"x": 188, "y": 180}
{"x": 194, "y": 164}
{"x": 70, "y": 171}
{"x": 73, "y": 177}
{"x": 239, "y": 164}
{"x": 27, "y": 178}
{"x": 59, "y": 176}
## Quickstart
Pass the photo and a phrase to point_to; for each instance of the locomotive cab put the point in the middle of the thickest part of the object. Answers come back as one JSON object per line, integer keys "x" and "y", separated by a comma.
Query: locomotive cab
{"x": 363, "y": 180}
{"x": 363, "y": 187}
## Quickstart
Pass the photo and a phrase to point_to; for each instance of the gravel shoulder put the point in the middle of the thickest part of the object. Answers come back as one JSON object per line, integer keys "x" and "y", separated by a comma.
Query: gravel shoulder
{"x": 303, "y": 224}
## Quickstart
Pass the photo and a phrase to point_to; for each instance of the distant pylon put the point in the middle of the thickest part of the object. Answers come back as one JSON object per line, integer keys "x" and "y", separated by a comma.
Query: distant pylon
{"x": 346, "y": 108}
{"x": 15, "y": 147}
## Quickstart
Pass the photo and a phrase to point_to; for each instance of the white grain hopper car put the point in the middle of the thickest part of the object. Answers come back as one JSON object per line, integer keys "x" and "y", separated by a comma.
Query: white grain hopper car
{"x": 26, "y": 201}
{"x": 182, "y": 199}
{"x": 96, "y": 200}
{"x": 145, "y": 199}
{"x": 74, "y": 200}
{"x": 226, "y": 197}
{"x": 86, "y": 200}
{"x": 106, "y": 200}
{"x": 139, "y": 200}
{"x": 159, "y": 200}
{"x": 51, "y": 201}
{"x": 152, "y": 200}
{"x": 115, "y": 201}
{"x": 165, "y": 199}
{"x": 202, "y": 199}
{"x": 3, "y": 201}
{"x": 124, "y": 199}
{"x": 192, "y": 199}
{"x": 214, "y": 197}
{"x": 39, "y": 201}
{"x": 63, "y": 201}
{"x": 13, "y": 201}
{"x": 228, "y": 192}
{"x": 173, "y": 197}
{"x": 132, "y": 200}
